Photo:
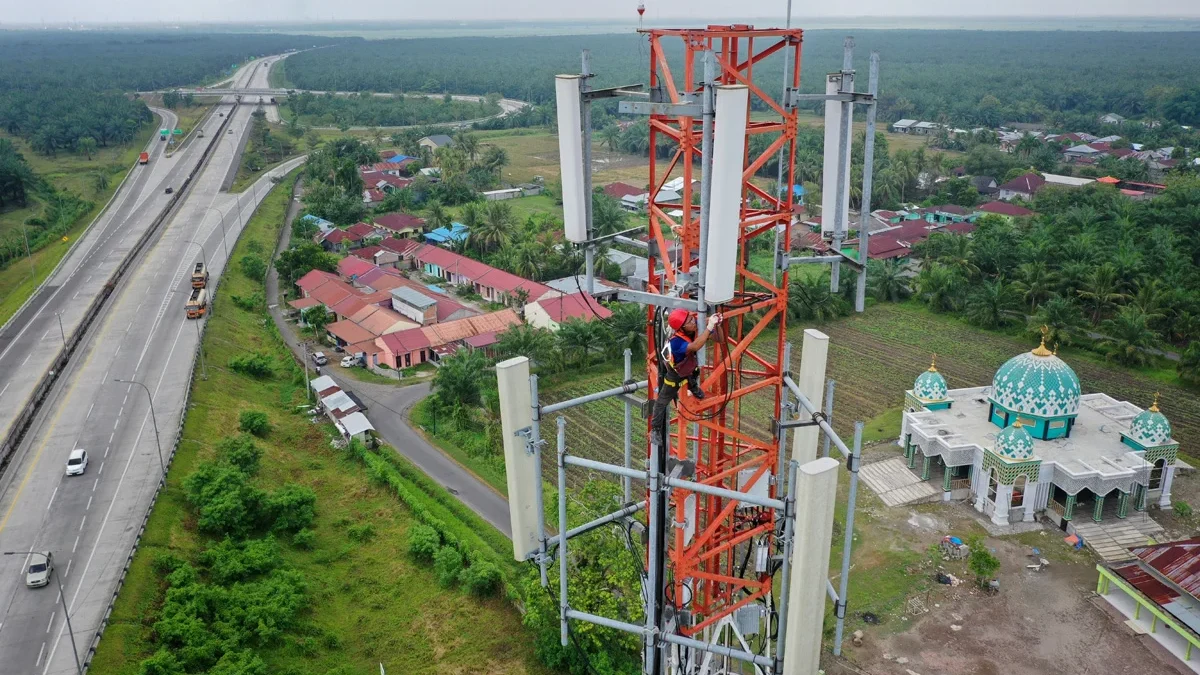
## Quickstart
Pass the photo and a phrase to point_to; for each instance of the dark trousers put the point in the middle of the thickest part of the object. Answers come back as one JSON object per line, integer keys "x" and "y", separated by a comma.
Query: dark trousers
{"x": 668, "y": 394}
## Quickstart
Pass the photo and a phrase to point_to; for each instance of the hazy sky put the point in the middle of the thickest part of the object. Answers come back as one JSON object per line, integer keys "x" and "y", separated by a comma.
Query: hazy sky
{"x": 58, "y": 11}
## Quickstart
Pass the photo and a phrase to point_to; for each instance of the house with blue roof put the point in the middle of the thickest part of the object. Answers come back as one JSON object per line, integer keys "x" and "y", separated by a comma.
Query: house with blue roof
{"x": 456, "y": 233}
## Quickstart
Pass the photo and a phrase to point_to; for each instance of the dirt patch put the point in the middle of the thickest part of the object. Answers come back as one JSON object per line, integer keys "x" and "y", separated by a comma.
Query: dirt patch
{"x": 1039, "y": 622}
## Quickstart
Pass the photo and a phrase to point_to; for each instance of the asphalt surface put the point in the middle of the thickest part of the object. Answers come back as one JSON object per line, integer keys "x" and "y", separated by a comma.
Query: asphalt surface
{"x": 90, "y": 522}
{"x": 387, "y": 409}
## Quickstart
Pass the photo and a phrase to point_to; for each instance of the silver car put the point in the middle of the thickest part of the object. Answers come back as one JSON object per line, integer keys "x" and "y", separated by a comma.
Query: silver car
{"x": 41, "y": 565}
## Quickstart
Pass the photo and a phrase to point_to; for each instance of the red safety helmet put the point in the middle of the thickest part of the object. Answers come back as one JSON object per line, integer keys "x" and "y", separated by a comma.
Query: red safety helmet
{"x": 677, "y": 318}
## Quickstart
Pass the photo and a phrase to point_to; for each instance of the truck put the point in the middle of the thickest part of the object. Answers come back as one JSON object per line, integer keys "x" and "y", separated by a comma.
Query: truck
{"x": 144, "y": 158}
{"x": 199, "y": 276}
{"x": 197, "y": 304}
{"x": 163, "y": 133}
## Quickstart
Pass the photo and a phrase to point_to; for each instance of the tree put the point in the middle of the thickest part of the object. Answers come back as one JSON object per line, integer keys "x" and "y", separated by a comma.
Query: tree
{"x": 316, "y": 318}
{"x": 607, "y": 215}
{"x": 436, "y": 215}
{"x": 302, "y": 259}
{"x": 809, "y": 299}
{"x": 582, "y": 339}
{"x": 458, "y": 383}
{"x": 495, "y": 159}
{"x": 495, "y": 230}
{"x": 888, "y": 280}
{"x": 1100, "y": 292}
{"x": 100, "y": 182}
{"x": 468, "y": 143}
{"x": 524, "y": 340}
{"x": 254, "y": 422}
{"x": 940, "y": 287}
{"x": 1063, "y": 319}
{"x": 87, "y": 146}
{"x": 992, "y": 303}
{"x": 253, "y": 266}
{"x": 627, "y": 326}
{"x": 1128, "y": 338}
{"x": 1189, "y": 365}
{"x": 1035, "y": 282}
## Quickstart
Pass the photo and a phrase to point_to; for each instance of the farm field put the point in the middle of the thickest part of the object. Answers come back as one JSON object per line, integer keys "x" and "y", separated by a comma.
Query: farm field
{"x": 874, "y": 357}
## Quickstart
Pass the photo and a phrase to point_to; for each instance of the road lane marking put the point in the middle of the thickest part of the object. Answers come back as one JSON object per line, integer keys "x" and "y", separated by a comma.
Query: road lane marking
{"x": 27, "y": 358}
{"x": 5, "y": 388}
{"x": 110, "y": 437}
{"x": 117, "y": 422}
{"x": 68, "y": 567}
{"x": 106, "y": 451}
{"x": 46, "y": 334}
{"x": 97, "y": 483}
{"x": 93, "y": 405}
{"x": 101, "y": 471}
{"x": 52, "y": 496}
{"x": 41, "y": 653}
{"x": 82, "y": 522}
{"x": 89, "y": 504}
{"x": 51, "y": 624}
{"x": 76, "y": 295}
{"x": 76, "y": 544}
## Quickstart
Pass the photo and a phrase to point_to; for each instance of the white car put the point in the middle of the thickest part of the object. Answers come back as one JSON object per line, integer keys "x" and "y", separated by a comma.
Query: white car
{"x": 77, "y": 462}
{"x": 319, "y": 358}
{"x": 349, "y": 361}
{"x": 41, "y": 565}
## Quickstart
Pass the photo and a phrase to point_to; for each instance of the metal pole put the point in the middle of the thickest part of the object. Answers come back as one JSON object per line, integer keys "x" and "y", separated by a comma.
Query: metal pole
{"x": 204, "y": 367}
{"x": 828, "y": 415}
{"x": 224, "y": 246}
{"x": 562, "y": 528}
{"x": 28, "y": 254}
{"x": 203, "y": 254}
{"x": 154, "y": 419}
{"x": 60, "y": 328}
{"x": 62, "y": 596}
{"x": 844, "y": 582}
{"x": 589, "y": 398}
{"x": 779, "y": 175}
{"x": 307, "y": 381}
{"x": 860, "y": 293}
{"x": 535, "y": 438}
{"x": 589, "y": 253}
{"x": 626, "y": 482}
{"x": 785, "y": 413}
{"x": 654, "y": 557}
{"x": 839, "y": 223}
{"x": 789, "y": 526}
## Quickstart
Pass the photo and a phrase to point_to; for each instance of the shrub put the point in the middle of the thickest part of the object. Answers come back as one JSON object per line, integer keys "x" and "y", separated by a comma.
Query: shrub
{"x": 304, "y": 539}
{"x": 1182, "y": 509}
{"x": 240, "y": 451}
{"x": 254, "y": 422}
{"x": 225, "y": 502}
{"x": 447, "y": 564}
{"x": 249, "y": 303}
{"x": 229, "y": 561}
{"x": 423, "y": 542}
{"x": 482, "y": 578}
{"x": 165, "y": 563}
{"x": 253, "y": 267}
{"x": 291, "y": 507}
{"x": 255, "y": 364}
{"x": 982, "y": 563}
{"x": 361, "y": 532}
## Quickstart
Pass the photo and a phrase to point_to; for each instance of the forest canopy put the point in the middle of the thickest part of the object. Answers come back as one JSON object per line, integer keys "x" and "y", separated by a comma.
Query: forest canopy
{"x": 966, "y": 77}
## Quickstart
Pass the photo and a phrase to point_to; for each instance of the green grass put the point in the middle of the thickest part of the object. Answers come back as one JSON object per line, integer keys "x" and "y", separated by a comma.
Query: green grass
{"x": 245, "y": 177}
{"x": 883, "y": 426}
{"x": 277, "y": 77}
{"x": 65, "y": 172}
{"x": 367, "y": 602}
{"x": 447, "y": 439}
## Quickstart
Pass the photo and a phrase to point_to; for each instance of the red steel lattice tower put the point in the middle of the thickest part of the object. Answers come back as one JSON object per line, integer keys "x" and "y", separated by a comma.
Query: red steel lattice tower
{"x": 703, "y": 575}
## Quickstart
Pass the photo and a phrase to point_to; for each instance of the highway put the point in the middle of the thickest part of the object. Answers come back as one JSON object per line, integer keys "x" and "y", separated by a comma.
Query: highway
{"x": 90, "y": 522}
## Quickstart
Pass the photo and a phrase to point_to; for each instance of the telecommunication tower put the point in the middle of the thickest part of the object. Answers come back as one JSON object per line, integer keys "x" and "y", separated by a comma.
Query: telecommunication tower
{"x": 724, "y": 509}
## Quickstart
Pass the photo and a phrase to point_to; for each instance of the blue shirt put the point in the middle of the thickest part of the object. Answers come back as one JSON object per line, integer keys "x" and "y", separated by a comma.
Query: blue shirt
{"x": 683, "y": 361}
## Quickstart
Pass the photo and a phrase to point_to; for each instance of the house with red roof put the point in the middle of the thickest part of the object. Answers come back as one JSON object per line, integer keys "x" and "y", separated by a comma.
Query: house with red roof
{"x": 619, "y": 191}
{"x": 488, "y": 282}
{"x": 373, "y": 196}
{"x": 1024, "y": 187}
{"x": 414, "y": 346}
{"x": 337, "y": 240}
{"x": 1157, "y": 590}
{"x": 351, "y": 267}
{"x": 551, "y": 312}
{"x": 401, "y": 224}
{"x": 1005, "y": 210}
{"x": 364, "y": 231}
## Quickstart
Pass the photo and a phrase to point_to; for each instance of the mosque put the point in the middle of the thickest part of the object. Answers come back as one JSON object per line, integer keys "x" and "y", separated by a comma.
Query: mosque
{"x": 1031, "y": 443}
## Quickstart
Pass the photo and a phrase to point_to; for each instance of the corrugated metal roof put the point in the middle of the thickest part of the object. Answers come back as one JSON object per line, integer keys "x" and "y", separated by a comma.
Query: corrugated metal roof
{"x": 412, "y": 297}
{"x": 1178, "y": 561}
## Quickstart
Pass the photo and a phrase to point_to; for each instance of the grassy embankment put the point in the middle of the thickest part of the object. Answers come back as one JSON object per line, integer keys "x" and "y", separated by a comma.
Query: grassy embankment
{"x": 367, "y": 601}
{"x": 66, "y": 172}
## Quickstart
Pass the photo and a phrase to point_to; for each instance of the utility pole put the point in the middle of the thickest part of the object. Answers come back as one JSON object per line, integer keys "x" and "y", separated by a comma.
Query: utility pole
{"x": 61, "y": 332}
{"x": 200, "y": 348}
{"x": 154, "y": 419}
{"x": 28, "y": 254}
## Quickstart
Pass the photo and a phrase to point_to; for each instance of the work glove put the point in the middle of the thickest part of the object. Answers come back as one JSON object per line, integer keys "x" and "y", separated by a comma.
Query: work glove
{"x": 713, "y": 321}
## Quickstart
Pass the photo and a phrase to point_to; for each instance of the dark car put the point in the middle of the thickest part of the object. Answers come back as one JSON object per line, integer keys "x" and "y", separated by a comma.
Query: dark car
{"x": 357, "y": 401}
{"x": 170, "y": 190}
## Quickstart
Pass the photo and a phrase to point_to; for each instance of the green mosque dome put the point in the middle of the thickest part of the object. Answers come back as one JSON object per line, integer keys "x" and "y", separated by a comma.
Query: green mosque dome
{"x": 930, "y": 385}
{"x": 1014, "y": 442}
{"x": 1037, "y": 383}
{"x": 1150, "y": 428}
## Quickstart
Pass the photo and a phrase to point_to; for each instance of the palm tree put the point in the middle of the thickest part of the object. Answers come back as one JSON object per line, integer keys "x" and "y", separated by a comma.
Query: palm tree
{"x": 1063, "y": 320}
{"x": 100, "y": 182}
{"x": 459, "y": 380}
{"x": 611, "y": 136}
{"x": 1128, "y": 337}
{"x": 526, "y": 340}
{"x": 1189, "y": 365}
{"x": 87, "y": 146}
{"x": 494, "y": 230}
{"x": 809, "y": 299}
{"x": 1035, "y": 282}
{"x": 1100, "y": 291}
{"x": 468, "y": 144}
{"x": 889, "y": 280}
{"x": 627, "y": 326}
{"x": 991, "y": 305}
{"x": 581, "y": 339}
{"x": 436, "y": 215}
{"x": 471, "y": 215}
{"x": 495, "y": 159}
{"x": 1028, "y": 145}
{"x": 940, "y": 287}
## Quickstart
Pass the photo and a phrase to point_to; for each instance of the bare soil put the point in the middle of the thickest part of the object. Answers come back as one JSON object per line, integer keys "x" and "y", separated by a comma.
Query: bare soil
{"x": 1039, "y": 623}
